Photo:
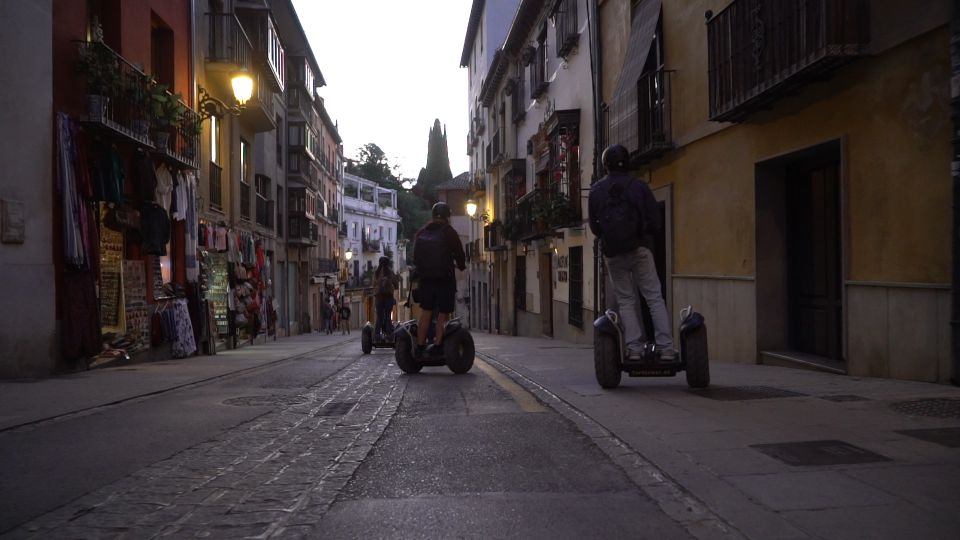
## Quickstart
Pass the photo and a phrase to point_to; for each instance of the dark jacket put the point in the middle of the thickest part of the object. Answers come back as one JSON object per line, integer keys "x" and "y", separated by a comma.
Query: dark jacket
{"x": 394, "y": 279}
{"x": 639, "y": 196}
{"x": 453, "y": 243}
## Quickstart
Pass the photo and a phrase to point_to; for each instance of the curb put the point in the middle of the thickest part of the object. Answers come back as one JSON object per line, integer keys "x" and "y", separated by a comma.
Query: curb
{"x": 672, "y": 498}
{"x": 88, "y": 410}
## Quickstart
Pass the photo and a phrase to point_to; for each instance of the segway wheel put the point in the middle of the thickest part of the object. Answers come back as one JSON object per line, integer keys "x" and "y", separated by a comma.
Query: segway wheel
{"x": 459, "y": 351}
{"x": 695, "y": 354}
{"x": 366, "y": 340}
{"x": 606, "y": 359}
{"x": 404, "y": 357}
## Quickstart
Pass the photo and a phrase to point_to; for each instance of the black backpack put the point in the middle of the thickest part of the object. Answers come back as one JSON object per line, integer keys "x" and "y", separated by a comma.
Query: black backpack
{"x": 431, "y": 255}
{"x": 620, "y": 221}
{"x": 385, "y": 285}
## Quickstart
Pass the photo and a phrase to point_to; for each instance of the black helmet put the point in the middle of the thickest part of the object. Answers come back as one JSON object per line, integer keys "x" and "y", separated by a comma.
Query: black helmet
{"x": 615, "y": 158}
{"x": 385, "y": 261}
{"x": 441, "y": 210}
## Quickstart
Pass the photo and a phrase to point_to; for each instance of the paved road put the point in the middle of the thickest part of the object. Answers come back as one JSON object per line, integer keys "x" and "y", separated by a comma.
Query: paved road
{"x": 334, "y": 445}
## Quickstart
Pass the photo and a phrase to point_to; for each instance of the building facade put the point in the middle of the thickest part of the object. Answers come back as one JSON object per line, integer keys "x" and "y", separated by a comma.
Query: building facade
{"x": 805, "y": 187}
{"x": 533, "y": 116}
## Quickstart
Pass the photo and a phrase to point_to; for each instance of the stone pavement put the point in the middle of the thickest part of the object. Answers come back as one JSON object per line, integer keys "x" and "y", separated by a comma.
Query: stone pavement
{"x": 28, "y": 401}
{"x": 272, "y": 477}
{"x": 876, "y": 458}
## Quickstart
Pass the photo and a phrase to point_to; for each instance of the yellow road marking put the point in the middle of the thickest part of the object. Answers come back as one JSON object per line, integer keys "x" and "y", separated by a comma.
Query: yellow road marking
{"x": 523, "y": 398}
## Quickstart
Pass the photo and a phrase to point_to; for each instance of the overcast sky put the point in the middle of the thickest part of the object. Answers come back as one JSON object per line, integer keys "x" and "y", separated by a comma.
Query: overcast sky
{"x": 392, "y": 67}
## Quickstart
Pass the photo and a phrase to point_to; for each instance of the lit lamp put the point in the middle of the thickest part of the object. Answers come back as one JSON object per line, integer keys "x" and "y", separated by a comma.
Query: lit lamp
{"x": 348, "y": 254}
{"x": 471, "y": 208}
{"x": 242, "y": 84}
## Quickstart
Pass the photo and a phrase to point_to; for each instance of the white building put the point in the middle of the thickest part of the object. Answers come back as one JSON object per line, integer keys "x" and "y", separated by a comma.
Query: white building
{"x": 372, "y": 224}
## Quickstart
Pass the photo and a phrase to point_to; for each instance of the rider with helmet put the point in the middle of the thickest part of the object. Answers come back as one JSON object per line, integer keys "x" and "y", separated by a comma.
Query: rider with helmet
{"x": 624, "y": 215}
{"x": 386, "y": 283}
{"x": 436, "y": 250}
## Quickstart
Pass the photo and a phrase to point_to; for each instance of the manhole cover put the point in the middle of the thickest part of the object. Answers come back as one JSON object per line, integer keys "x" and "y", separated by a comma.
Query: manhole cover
{"x": 814, "y": 453}
{"x": 934, "y": 407}
{"x": 844, "y": 397}
{"x": 949, "y": 437}
{"x": 262, "y": 401}
{"x": 740, "y": 393}
{"x": 336, "y": 408}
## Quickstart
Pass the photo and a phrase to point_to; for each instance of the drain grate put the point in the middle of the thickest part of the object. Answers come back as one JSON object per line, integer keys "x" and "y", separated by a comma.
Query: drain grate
{"x": 267, "y": 400}
{"x": 818, "y": 453}
{"x": 741, "y": 393}
{"x": 949, "y": 437}
{"x": 336, "y": 408}
{"x": 933, "y": 407}
{"x": 844, "y": 397}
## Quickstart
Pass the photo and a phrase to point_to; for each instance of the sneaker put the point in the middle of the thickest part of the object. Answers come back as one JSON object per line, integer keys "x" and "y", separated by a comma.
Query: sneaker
{"x": 635, "y": 355}
{"x": 668, "y": 355}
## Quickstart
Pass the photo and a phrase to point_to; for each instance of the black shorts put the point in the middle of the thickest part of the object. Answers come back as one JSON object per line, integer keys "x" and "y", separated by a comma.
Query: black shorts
{"x": 437, "y": 294}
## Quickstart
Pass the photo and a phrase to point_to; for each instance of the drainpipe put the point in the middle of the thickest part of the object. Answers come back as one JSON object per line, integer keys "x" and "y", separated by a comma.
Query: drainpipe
{"x": 596, "y": 68}
{"x": 955, "y": 171}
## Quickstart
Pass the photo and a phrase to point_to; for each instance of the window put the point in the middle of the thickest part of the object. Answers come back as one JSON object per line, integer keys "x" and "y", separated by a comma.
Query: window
{"x": 214, "y": 140}
{"x": 161, "y": 51}
{"x": 538, "y": 68}
{"x": 279, "y": 203}
{"x": 244, "y": 180}
{"x": 264, "y": 204}
{"x": 356, "y": 230}
{"x": 566, "y": 25}
{"x": 576, "y": 287}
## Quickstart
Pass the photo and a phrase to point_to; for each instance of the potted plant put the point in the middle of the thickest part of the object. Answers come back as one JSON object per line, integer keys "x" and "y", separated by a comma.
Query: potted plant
{"x": 166, "y": 110}
{"x": 101, "y": 69}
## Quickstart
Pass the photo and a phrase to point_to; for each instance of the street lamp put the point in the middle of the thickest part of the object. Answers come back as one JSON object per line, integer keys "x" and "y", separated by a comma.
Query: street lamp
{"x": 242, "y": 84}
{"x": 471, "y": 208}
{"x": 348, "y": 254}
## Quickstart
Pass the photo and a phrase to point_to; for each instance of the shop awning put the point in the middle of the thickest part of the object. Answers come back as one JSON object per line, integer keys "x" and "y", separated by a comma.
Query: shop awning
{"x": 623, "y": 105}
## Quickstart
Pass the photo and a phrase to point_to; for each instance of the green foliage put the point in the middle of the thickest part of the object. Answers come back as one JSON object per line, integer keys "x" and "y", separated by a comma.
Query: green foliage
{"x": 101, "y": 68}
{"x": 372, "y": 164}
{"x": 437, "y": 170}
{"x": 165, "y": 108}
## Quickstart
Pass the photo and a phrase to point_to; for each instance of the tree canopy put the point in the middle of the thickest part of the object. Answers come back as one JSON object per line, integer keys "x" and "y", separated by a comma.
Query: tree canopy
{"x": 437, "y": 170}
{"x": 372, "y": 163}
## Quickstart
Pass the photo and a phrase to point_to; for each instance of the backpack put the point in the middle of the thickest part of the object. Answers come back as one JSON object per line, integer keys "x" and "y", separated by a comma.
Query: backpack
{"x": 620, "y": 221}
{"x": 431, "y": 255}
{"x": 385, "y": 285}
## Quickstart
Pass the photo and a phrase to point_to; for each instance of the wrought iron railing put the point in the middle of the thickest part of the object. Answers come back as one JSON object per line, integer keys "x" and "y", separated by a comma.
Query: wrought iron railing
{"x": 227, "y": 42}
{"x": 323, "y": 266}
{"x": 118, "y": 94}
{"x": 245, "y": 201}
{"x": 759, "y": 50}
{"x": 216, "y": 186}
{"x": 653, "y": 114}
{"x": 566, "y": 27}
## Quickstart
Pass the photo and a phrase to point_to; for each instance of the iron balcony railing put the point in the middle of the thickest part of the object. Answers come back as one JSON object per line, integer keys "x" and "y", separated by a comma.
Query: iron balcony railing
{"x": 265, "y": 212}
{"x": 371, "y": 245}
{"x": 323, "y": 266}
{"x": 760, "y": 50}
{"x": 216, "y": 187}
{"x": 653, "y": 115}
{"x": 118, "y": 94}
{"x": 566, "y": 27}
{"x": 493, "y": 237}
{"x": 227, "y": 42}
{"x": 245, "y": 190}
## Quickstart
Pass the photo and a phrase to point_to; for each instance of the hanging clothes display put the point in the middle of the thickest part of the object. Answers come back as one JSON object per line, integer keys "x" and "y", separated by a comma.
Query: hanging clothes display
{"x": 183, "y": 343}
{"x": 155, "y": 228}
{"x": 163, "y": 193}
{"x": 190, "y": 215}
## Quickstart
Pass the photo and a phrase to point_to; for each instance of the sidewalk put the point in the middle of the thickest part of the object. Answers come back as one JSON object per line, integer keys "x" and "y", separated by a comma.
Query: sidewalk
{"x": 706, "y": 441}
{"x": 31, "y": 400}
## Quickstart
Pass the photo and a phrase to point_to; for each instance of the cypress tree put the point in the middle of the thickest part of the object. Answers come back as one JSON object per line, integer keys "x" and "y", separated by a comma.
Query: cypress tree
{"x": 437, "y": 170}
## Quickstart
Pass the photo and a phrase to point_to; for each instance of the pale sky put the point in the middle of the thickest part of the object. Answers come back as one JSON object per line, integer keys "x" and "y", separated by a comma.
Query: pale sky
{"x": 392, "y": 67}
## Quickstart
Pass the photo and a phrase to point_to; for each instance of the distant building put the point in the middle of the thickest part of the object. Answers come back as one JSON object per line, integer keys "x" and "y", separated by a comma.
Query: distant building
{"x": 372, "y": 224}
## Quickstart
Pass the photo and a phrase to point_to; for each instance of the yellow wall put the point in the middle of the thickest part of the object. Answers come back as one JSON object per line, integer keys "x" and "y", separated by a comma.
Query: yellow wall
{"x": 892, "y": 111}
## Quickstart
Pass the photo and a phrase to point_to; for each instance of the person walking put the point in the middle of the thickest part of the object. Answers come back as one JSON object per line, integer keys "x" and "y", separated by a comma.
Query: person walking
{"x": 624, "y": 215}
{"x": 344, "y": 318}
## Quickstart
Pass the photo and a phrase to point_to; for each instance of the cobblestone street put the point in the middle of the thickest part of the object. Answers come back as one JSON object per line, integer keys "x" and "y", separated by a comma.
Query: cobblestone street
{"x": 274, "y": 476}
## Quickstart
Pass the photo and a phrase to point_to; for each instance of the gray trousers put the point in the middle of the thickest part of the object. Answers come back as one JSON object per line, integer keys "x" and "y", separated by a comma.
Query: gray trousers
{"x": 628, "y": 273}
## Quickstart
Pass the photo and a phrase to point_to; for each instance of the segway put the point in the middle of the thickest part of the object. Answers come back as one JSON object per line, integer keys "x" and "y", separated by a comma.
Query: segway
{"x": 611, "y": 358}
{"x": 371, "y": 339}
{"x": 456, "y": 352}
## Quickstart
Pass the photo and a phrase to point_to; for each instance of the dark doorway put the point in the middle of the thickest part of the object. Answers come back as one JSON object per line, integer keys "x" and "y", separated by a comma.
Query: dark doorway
{"x": 546, "y": 293}
{"x": 813, "y": 260}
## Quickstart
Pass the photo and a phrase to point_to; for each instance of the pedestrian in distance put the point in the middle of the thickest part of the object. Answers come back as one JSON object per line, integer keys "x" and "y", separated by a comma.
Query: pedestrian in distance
{"x": 344, "y": 318}
{"x": 386, "y": 283}
{"x": 437, "y": 250}
{"x": 624, "y": 215}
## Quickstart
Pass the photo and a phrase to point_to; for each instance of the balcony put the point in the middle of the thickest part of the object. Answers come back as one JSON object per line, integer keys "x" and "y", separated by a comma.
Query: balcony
{"x": 493, "y": 237}
{"x": 302, "y": 231}
{"x": 299, "y": 102}
{"x": 259, "y": 114}
{"x": 762, "y": 50}
{"x": 371, "y": 246}
{"x": 495, "y": 150}
{"x": 566, "y": 27}
{"x": 228, "y": 46}
{"x": 216, "y": 187}
{"x": 542, "y": 211}
{"x": 118, "y": 94}
{"x": 265, "y": 212}
{"x": 538, "y": 72}
{"x": 323, "y": 266}
{"x": 268, "y": 53}
{"x": 653, "y": 115}
{"x": 342, "y": 230}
